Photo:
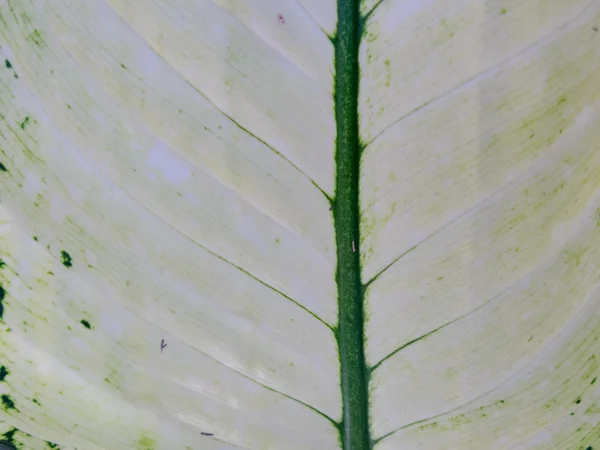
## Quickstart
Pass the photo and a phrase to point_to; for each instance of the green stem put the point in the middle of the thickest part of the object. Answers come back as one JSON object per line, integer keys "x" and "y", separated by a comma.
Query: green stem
{"x": 354, "y": 428}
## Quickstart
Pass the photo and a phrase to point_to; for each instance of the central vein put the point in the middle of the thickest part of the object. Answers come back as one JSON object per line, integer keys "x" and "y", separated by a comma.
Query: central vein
{"x": 354, "y": 428}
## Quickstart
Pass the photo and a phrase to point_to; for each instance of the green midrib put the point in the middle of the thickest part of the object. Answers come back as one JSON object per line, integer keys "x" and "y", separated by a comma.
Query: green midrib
{"x": 354, "y": 428}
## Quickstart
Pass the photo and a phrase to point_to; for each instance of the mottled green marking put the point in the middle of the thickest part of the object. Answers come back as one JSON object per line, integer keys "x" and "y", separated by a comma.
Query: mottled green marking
{"x": 51, "y": 444}
{"x": 66, "y": 259}
{"x": 594, "y": 380}
{"x": 3, "y": 168}
{"x": 3, "y": 373}
{"x": 86, "y": 324}
{"x": 8, "y": 64}
{"x": 2, "y": 263}
{"x": 7, "y": 402}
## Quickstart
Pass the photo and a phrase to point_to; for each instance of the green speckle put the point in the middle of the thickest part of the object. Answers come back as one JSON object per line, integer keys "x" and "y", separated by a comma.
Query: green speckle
{"x": 387, "y": 63}
{"x": 594, "y": 380}
{"x": 35, "y": 238}
{"x": 51, "y": 444}
{"x": 503, "y": 11}
{"x": 25, "y": 123}
{"x": 7, "y": 402}
{"x": 3, "y": 373}
{"x": 2, "y": 263}
{"x": 589, "y": 448}
{"x": 123, "y": 66}
{"x": 66, "y": 259}
{"x": 146, "y": 443}
{"x": 86, "y": 324}
{"x": 8, "y": 64}
{"x": 36, "y": 38}
{"x": 578, "y": 401}
{"x": 572, "y": 414}
{"x": 36, "y": 401}
{"x": 3, "y": 168}
{"x": 277, "y": 241}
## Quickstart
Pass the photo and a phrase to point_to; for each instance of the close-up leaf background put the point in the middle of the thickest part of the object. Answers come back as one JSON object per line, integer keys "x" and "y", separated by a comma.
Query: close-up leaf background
{"x": 300, "y": 224}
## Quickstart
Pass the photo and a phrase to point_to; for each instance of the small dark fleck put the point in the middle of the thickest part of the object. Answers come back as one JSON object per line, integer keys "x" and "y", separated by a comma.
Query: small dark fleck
{"x": 35, "y": 238}
{"x": 86, "y": 324}
{"x": 36, "y": 401}
{"x": 594, "y": 380}
{"x": 8, "y": 64}
{"x": 595, "y": 28}
{"x": 206, "y": 434}
{"x": 24, "y": 123}
{"x": 572, "y": 414}
{"x": 123, "y": 66}
{"x": 7, "y": 402}
{"x": 3, "y": 168}
{"x": 51, "y": 444}
{"x": 590, "y": 448}
{"x": 281, "y": 19}
{"x": 66, "y": 259}
{"x": 578, "y": 401}
{"x": 3, "y": 373}
{"x": 331, "y": 207}
{"x": 2, "y": 263}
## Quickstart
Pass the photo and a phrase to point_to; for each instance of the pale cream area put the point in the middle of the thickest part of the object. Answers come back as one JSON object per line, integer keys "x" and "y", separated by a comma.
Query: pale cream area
{"x": 181, "y": 225}
{"x": 481, "y": 226}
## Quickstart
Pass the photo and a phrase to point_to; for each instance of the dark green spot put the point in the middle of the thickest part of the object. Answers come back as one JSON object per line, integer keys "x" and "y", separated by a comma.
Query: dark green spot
{"x": 589, "y": 448}
{"x": 51, "y": 444}
{"x": 3, "y": 168}
{"x": 24, "y": 123}
{"x": 8, "y": 64}
{"x": 86, "y": 324}
{"x": 594, "y": 380}
{"x": 3, "y": 373}
{"x": 7, "y": 402}
{"x": 35, "y": 238}
{"x": 572, "y": 414}
{"x": 2, "y": 295}
{"x": 578, "y": 401}
{"x": 66, "y": 259}
{"x": 36, "y": 401}
{"x": 2, "y": 263}
{"x": 123, "y": 66}
{"x": 9, "y": 437}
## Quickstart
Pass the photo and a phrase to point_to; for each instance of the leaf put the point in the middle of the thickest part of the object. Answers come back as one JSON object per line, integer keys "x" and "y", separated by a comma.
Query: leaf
{"x": 303, "y": 225}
